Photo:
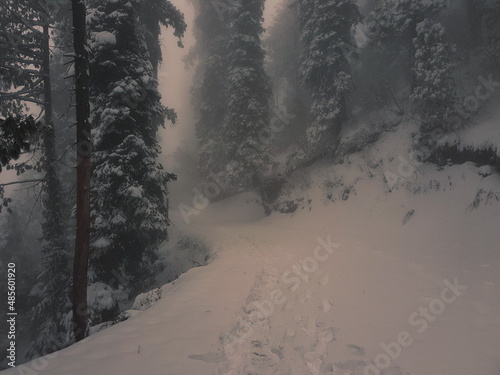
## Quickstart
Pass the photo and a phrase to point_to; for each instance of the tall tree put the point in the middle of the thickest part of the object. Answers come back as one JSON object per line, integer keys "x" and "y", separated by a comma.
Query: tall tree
{"x": 324, "y": 69}
{"x": 209, "y": 94}
{"x": 84, "y": 148}
{"x": 430, "y": 67}
{"x": 393, "y": 18}
{"x": 434, "y": 92}
{"x": 129, "y": 186}
{"x": 25, "y": 72}
{"x": 248, "y": 93}
{"x": 55, "y": 249}
{"x": 154, "y": 14}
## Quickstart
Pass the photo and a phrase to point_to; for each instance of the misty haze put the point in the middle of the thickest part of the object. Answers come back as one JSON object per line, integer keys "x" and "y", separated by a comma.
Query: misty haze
{"x": 250, "y": 187}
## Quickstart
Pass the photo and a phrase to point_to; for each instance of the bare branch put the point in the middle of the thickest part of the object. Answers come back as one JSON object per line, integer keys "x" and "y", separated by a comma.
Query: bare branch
{"x": 22, "y": 182}
{"x": 24, "y": 98}
{"x": 13, "y": 95}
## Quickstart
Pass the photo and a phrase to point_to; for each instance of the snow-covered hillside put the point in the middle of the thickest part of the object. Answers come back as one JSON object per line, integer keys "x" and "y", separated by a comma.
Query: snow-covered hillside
{"x": 400, "y": 282}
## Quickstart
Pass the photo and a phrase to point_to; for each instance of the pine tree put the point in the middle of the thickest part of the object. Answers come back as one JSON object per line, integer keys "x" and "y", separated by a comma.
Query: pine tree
{"x": 209, "y": 93}
{"x": 434, "y": 93}
{"x": 430, "y": 56}
{"x": 396, "y": 18}
{"x": 324, "y": 69}
{"x": 129, "y": 186}
{"x": 156, "y": 13}
{"x": 25, "y": 69}
{"x": 15, "y": 138}
{"x": 248, "y": 92}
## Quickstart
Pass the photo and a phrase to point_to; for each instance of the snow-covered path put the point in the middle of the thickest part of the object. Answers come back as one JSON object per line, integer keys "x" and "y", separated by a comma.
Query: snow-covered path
{"x": 281, "y": 297}
{"x": 378, "y": 286}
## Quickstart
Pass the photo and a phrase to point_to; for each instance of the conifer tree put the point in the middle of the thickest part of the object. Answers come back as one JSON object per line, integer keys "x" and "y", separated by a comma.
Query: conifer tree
{"x": 209, "y": 93}
{"x": 429, "y": 55}
{"x": 434, "y": 93}
{"x": 248, "y": 92}
{"x": 129, "y": 186}
{"x": 25, "y": 70}
{"x": 399, "y": 18}
{"x": 156, "y": 13}
{"x": 324, "y": 69}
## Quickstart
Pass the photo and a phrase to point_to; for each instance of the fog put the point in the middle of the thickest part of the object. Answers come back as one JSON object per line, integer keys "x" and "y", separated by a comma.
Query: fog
{"x": 176, "y": 81}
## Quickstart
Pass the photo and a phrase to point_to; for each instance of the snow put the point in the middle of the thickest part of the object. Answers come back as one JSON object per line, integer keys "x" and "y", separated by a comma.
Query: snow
{"x": 100, "y": 297}
{"x": 135, "y": 191}
{"x": 102, "y": 38}
{"x": 484, "y": 134}
{"x": 102, "y": 243}
{"x": 272, "y": 301}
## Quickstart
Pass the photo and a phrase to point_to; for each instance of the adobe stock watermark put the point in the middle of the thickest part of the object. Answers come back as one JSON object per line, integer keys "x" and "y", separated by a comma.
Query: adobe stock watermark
{"x": 62, "y": 340}
{"x": 293, "y": 278}
{"x": 471, "y": 103}
{"x": 406, "y": 169}
{"x": 462, "y": 111}
{"x": 420, "y": 320}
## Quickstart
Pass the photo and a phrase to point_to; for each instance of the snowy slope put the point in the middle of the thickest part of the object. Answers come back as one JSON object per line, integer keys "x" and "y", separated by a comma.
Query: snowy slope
{"x": 273, "y": 301}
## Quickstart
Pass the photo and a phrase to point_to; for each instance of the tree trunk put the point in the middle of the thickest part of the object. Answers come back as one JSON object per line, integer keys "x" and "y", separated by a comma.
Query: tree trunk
{"x": 54, "y": 248}
{"x": 49, "y": 135}
{"x": 83, "y": 172}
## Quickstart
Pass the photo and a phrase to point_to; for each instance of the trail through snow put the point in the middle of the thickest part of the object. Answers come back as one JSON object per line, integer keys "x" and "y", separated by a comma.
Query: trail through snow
{"x": 281, "y": 297}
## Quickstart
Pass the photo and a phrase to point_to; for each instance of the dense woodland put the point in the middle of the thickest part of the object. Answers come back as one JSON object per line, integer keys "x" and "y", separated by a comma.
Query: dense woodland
{"x": 268, "y": 104}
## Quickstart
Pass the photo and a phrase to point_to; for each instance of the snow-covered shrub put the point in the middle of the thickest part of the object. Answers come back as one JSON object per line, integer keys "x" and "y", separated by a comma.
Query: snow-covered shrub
{"x": 102, "y": 303}
{"x": 294, "y": 194}
{"x": 485, "y": 197}
{"x": 397, "y": 16}
{"x": 145, "y": 300}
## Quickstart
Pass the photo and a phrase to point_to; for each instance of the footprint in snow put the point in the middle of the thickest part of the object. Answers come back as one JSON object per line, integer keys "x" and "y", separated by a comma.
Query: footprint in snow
{"x": 314, "y": 359}
{"x": 358, "y": 351}
{"x": 326, "y": 306}
{"x": 324, "y": 280}
{"x": 208, "y": 357}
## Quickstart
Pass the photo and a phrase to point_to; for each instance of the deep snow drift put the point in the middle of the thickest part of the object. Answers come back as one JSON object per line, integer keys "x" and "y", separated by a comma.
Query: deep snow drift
{"x": 334, "y": 288}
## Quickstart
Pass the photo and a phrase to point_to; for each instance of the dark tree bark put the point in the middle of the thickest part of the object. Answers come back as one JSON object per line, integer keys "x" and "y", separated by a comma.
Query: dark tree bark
{"x": 53, "y": 187}
{"x": 81, "y": 260}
